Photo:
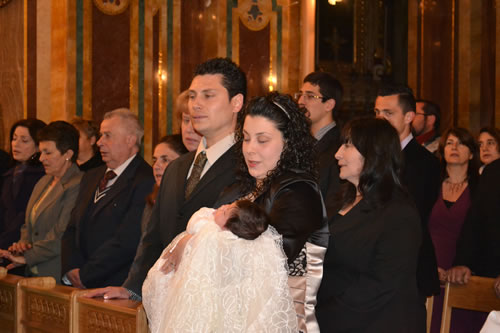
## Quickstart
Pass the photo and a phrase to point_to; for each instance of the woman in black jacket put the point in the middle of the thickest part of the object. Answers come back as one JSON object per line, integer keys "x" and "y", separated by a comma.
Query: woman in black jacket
{"x": 19, "y": 180}
{"x": 369, "y": 282}
{"x": 277, "y": 170}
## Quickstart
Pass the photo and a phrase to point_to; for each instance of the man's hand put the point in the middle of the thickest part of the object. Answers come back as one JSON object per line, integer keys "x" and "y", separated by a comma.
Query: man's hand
{"x": 459, "y": 274}
{"x": 442, "y": 274}
{"x": 16, "y": 261}
{"x": 19, "y": 248}
{"x": 108, "y": 293}
{"x": 74, "y": 277}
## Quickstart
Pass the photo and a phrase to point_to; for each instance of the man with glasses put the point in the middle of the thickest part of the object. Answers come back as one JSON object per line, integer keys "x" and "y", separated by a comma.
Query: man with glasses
{"x": 321, "y": 96}
{"x": 425, "y": 125}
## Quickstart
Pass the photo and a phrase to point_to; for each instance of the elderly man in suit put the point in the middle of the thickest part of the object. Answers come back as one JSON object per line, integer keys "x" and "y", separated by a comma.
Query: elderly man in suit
{"x": 396, "y": 104}
{"x": 194, "y": 180}
{"x": 101, "y": 239}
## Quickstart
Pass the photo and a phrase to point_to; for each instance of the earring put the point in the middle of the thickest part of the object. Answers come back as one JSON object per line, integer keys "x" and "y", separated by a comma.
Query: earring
{"x": 67, "y": 159}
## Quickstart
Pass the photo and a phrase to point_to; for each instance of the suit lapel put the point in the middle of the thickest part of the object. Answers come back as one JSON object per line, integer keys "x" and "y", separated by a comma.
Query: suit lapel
{"x": 120, "y": 185}
{"x": 88, "y": 196}
{"x": 223, "y": 163}
{"x": 37, "y": 192}
{"x": 182, "y": 176}
{"x": 50, "y": 198}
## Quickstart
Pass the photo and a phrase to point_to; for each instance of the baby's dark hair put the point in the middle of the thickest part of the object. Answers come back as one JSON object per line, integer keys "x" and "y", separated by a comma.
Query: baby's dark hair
{"x": 249, "y": 221}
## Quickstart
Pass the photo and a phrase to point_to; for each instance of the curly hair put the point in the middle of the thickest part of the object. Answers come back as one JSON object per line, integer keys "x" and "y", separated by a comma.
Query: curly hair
{"x": 378, "y": 142}
{"x": 298, "y": 151}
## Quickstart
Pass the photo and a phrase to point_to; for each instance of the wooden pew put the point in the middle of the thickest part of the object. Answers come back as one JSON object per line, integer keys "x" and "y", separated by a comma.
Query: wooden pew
{"x": 8, "y": 301}
{"x": 477, "y": 295}
{"x": 39, "y": 305}
{"x": 43, "y": 306}
{"x": 92, "y": 315}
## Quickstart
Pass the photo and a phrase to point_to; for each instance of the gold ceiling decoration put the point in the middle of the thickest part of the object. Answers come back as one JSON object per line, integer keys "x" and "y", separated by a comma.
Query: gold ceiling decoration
{"x": 255, "y": 14}
{"x": 111, "y": 7}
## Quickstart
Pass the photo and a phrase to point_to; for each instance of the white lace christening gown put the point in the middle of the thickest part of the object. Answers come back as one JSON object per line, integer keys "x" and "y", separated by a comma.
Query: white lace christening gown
{"x": 223, "y": 284}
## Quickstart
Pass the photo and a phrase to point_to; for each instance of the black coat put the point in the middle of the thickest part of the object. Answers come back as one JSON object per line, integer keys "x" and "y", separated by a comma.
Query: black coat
{"x": 171, "y": 211}
{"x": 369, "y": 280}
{"x": 329, "y": 180}
{"x": 101, "y": 239}
{"x": 479, "y": 244}
{"x": 13, "y": 208}
{"x": 421, "y": 176}
{"x": 294, "y": 205}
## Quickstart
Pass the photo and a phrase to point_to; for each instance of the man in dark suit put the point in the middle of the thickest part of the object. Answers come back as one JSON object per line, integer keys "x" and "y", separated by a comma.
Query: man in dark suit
{"x": 216, "y": 95}
{"x": 321, "y": 96}
{"x": 420, "y": 175}
{"x": 101, "y": 239}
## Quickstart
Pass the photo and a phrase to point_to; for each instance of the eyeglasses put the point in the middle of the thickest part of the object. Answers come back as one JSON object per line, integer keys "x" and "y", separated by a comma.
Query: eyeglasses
{"x": 308, "y": 97}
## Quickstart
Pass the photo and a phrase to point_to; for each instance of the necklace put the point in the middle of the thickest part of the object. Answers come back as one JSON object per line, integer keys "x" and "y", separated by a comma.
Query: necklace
{"x": 455, "y": 187}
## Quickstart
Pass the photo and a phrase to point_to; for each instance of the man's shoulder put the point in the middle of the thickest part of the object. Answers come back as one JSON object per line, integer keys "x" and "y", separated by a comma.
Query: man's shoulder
{"x": 331, "y": 140}
{"x": 93, "y": 173}
{"x": 183, "y": 161}
{"x": 140, "y": 164}
{"x": 416, "y": 153}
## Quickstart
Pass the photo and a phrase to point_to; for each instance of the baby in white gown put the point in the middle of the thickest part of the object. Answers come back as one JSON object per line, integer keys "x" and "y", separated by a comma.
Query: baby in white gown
{"x": 224, "y": 282}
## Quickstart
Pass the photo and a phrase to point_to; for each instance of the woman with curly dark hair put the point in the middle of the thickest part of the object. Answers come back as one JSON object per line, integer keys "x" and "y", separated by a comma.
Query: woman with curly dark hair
{"x": 369, "y": 282}
{"x": 277, "y": 170}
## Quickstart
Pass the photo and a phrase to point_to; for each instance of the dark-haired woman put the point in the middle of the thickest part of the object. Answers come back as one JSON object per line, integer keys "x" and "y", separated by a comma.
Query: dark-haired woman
{"x": 19, "y": 180}
{"x": 89, "y": 156}
{"x": 369, "y": 282}
{"x": 168, "y": 149}
{"x": 489, "y": 145}
{"x": 277, "y": 170}
{"x": 459, "y": 172}
{"x": 50, "y": 204}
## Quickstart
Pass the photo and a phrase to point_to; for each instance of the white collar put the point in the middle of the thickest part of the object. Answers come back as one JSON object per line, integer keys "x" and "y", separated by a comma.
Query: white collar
{"x": 216, "y": 150}
{"x": 119, "y": 170}
{"x": 406, "y": 140}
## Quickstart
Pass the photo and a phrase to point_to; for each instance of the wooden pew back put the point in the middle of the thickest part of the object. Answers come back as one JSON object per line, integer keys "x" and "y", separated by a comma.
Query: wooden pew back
{"x": 8, "y": 301}
{"x": 477, "y": 295}
{"x": 93, "y": 315}
{"x": 39, "y": 305}
{"x": 43, "y": 306}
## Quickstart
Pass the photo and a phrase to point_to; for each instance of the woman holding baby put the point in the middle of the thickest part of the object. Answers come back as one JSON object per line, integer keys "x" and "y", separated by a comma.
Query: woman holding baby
{"x": 277, "y": 173}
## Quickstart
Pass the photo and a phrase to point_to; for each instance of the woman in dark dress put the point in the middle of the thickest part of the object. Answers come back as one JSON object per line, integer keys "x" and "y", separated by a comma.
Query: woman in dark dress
{"x": 19, "y": 180}
{"x": 369, "y": 282}
{"x": 277, "y": 170}
{"x": 460, "y": 162}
